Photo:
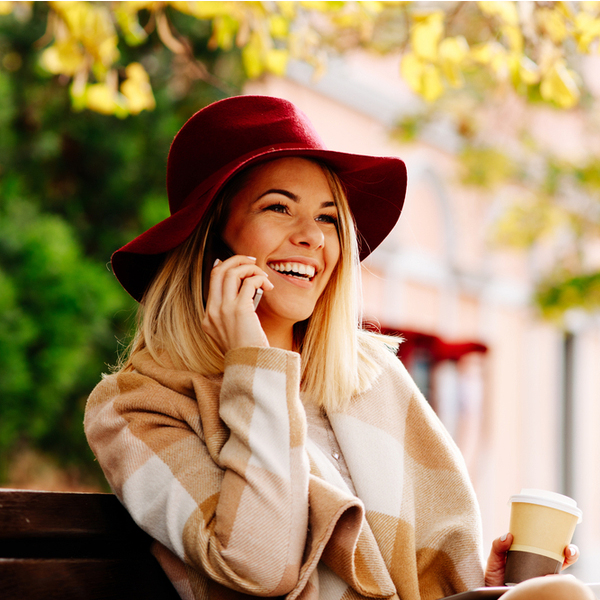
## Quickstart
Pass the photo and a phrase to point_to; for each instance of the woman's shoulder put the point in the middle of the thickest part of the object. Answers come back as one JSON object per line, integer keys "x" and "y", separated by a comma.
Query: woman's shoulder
{"x": 107, "y": 387}
{"x": 148, "y": 394}
{"x": 146, "y": 379}
{"x": 381, "y": 351}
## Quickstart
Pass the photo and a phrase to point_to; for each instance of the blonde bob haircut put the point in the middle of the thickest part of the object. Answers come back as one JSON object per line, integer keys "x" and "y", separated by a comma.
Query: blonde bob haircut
{"x": 336, "y": 353}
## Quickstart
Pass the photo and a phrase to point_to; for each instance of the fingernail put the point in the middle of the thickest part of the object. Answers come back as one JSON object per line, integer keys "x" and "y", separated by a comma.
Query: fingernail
{"x": 216, "y": 262}
{"x": 503, "y": 538}
{"x": 251, "y": 257}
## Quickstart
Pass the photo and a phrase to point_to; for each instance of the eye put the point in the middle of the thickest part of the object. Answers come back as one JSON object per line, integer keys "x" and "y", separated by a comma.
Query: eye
{"x": 331, "y": 219}
{"x": 277, "y": 207}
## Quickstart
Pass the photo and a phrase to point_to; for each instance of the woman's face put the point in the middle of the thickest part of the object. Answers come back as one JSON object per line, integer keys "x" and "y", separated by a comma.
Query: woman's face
{"x": 285, "y": 216}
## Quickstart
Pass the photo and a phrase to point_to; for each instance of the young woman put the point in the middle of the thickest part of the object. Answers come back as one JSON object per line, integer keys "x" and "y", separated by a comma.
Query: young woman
{"x": 267, "y": 444}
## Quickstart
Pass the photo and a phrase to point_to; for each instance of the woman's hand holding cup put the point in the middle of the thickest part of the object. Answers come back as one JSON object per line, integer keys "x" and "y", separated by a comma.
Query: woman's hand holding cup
{"x": 539, "y": 543}
{"x": 496, "y": 564}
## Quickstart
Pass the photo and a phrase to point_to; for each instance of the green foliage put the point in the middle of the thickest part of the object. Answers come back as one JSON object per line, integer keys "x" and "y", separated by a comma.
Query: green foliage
{"x": 524, "y": 223}
{"x": 55, "y": 307}
{"x": 565, "y": 291}
{"x": 75, "y": 186}
{"x": 485, "y": 167}
{"x": 408, "y": 129}
{"x": 588, "y": 175}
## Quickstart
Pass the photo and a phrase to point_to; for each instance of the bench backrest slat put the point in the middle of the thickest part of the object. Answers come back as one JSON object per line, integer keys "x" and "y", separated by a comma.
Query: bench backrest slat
{"x": 85, "y": 579}
{"x": 74, "y": 546}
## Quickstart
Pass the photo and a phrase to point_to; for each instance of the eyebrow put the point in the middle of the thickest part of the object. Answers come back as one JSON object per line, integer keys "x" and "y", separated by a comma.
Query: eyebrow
{"x": 293, "y": 197}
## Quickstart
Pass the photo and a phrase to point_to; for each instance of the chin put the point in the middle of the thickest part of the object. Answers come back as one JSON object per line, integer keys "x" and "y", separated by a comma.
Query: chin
{"x": 288, "y": 313}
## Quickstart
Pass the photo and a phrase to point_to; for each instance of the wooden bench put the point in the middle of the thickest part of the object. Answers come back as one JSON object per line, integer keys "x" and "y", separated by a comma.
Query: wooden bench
{"x": 75, "y": 546}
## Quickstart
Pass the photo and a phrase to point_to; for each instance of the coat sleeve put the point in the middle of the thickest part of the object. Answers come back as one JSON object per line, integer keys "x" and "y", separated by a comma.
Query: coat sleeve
{"x": 224, "y": 487}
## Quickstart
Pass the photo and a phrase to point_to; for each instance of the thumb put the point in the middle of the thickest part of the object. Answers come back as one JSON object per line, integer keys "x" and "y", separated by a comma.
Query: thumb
{"x": 494, "y": 572}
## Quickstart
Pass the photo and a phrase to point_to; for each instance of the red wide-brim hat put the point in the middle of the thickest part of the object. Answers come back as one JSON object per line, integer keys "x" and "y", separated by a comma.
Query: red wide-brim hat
{"x": 232, "y": 134}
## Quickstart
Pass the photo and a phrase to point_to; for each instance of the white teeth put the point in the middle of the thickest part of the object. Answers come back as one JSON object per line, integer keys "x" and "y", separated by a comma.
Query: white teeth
{"x": 307, "y": 271}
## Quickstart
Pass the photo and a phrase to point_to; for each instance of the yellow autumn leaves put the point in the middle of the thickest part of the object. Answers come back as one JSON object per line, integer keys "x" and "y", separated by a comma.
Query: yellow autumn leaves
{"x": 522, "y": 43}
{"x": 84, "y": 47}
{"x": 435, "y": 61}
{"x": 86, "y": 35}
{"x": 433, "y": 58}
{"x": 260, "y": 32}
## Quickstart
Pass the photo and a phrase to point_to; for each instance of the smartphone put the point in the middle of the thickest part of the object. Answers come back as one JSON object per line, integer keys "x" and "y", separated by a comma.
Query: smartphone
{"x": 216, "y": 248}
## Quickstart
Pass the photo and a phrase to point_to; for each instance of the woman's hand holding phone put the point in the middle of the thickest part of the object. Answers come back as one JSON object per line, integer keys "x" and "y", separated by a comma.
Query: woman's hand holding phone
{"x": 229, "y": 316}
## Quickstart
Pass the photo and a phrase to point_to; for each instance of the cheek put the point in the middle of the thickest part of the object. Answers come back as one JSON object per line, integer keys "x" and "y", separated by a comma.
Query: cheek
{"x": 244, "y": 236}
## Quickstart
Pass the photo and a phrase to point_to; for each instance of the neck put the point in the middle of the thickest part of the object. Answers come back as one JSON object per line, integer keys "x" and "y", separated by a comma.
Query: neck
{"x": 280, "y": 337}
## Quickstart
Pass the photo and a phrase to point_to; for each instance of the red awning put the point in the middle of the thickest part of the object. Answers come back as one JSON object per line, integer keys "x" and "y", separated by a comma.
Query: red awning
{"x": 438, "y": 348}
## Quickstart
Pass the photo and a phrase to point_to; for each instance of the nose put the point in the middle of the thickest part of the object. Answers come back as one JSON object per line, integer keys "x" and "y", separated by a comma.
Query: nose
{"x": 308, "y": 234}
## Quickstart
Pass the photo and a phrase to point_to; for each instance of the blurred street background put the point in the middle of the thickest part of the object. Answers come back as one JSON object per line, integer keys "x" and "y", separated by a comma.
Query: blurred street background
{"x": 492, "y": 274}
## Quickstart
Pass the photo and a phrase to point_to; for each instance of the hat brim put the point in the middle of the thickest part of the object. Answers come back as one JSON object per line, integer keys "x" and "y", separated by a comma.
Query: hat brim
{"x": 375, "y": 187}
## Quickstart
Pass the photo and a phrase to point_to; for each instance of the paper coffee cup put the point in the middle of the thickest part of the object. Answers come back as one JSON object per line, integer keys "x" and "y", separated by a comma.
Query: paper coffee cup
{"x": 542, "y": 524}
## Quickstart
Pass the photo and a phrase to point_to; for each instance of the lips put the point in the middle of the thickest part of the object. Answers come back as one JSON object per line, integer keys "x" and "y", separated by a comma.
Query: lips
{"x": 294, "y": 269}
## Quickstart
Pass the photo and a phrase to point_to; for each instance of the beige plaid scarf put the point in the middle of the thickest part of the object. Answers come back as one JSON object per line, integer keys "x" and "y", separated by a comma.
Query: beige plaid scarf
{"x": 220, "y": 472}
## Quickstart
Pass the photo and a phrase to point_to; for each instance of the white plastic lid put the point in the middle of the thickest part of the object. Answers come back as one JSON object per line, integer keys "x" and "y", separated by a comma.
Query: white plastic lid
{"x": 550, "y": 499}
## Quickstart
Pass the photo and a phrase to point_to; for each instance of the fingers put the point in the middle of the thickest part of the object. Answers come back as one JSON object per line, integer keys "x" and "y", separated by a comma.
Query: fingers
{"x": 571, "y": 555}
{"x": 240, "y": 285}
{"x": 236, "y": 280}
{"x": 494, "y": 572}
{"x": 502, "y": 544}
{"x": 229, "y": 317}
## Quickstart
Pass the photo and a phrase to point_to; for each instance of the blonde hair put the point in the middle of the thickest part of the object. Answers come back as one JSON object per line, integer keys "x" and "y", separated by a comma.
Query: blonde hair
{"x": 336, "y": 354}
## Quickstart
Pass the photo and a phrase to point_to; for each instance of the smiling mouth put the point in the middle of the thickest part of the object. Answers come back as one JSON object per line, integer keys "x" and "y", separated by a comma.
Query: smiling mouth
{"x": 292, "y": 269}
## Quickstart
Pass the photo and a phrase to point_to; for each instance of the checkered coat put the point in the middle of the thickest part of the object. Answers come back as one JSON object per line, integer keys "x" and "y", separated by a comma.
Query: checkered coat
{"x": 219, "y": 471}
